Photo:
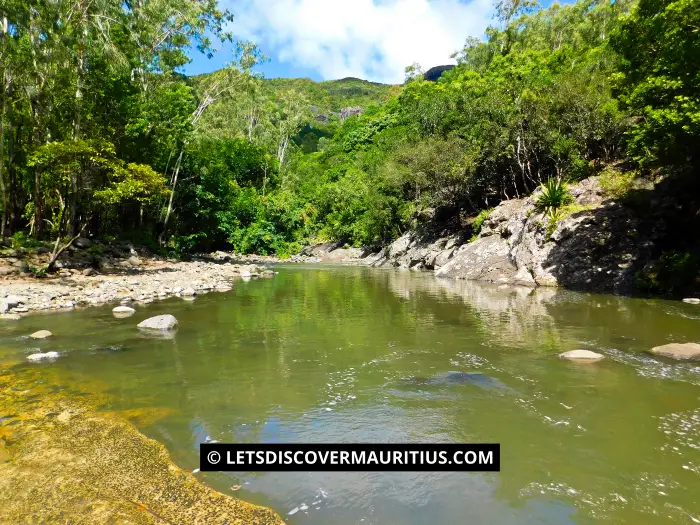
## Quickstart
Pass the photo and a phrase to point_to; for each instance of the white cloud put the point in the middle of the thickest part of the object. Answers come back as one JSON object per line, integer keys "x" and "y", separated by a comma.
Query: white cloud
{"x": 371, "y": 39}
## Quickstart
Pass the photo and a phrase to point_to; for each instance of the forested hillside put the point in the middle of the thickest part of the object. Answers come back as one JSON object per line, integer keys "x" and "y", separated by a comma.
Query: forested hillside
{"x": 101, "y": 134}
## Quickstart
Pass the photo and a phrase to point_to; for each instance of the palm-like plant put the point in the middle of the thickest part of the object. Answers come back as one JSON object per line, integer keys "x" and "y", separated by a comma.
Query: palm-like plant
{"x": 555, "y": 194}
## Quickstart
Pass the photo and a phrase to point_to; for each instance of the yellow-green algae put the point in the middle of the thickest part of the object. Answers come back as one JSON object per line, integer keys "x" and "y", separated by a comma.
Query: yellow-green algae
{"x": 62, "y": 461}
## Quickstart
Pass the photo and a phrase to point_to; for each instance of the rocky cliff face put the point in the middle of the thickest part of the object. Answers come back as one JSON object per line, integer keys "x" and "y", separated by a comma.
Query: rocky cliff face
{"x": 597, "y": 247}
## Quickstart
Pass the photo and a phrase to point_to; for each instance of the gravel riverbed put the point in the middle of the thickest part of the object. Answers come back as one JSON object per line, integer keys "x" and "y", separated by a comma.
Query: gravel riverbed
{"x": 144, "y": 281}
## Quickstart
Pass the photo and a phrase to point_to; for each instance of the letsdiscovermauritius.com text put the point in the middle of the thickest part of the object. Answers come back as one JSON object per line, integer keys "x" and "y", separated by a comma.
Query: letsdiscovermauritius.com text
{"x": 344, "y": 457}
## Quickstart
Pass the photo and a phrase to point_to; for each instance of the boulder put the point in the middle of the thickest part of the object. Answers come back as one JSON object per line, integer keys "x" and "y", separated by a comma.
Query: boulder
{"x": 82, "y": 242}
{"x": 87, "y": 272}
{"x": 48, "y": 356}
{"x": 246, "y": 274}
{"x": 14, "y": 300}
{"x": 134, "y": 260}
{"x": 691, "y": 300}
{"x": 41, "y": 334}
{"x": 585, "y": 356}
{"x": 159, "y": 322}
{"x": 678, "y": 350}
{"x": 189, "y": 292}
{"x": 123, "y": 311}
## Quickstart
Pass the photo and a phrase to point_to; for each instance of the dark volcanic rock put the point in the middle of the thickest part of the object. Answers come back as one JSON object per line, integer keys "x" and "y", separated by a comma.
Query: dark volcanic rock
{"x": 434, "y": 73}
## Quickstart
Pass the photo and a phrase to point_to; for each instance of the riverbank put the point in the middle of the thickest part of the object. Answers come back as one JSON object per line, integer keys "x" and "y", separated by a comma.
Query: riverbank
{"x": 607, "y": 239}
{"x": 136, "y": 280}
{"x": 63, "y": 461}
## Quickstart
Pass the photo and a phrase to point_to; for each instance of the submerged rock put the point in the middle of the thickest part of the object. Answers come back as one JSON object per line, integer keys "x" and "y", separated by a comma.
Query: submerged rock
{"x": 123, "y": 311}
{"x": 159, "y": 322}
{"x": 678, "y": 350}
{"x": 586, "y": 356}
{"x": 48, "y": 356}
{"x": 459, "y": 378}
{"x": 41, "y": 334}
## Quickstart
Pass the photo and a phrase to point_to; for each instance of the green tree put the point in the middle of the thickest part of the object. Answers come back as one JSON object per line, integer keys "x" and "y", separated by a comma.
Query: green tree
{"x": 659, "y": 80}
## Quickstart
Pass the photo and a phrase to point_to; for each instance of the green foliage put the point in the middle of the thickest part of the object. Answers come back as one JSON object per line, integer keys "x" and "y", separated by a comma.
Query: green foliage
{"x": 673, "y": 272}
{"x": 659, "y": 45}
{"x": 616, "y": 184}
{"x": 22, "y": 240}
{"x": 555, "y": 194}
{"x": 478, "y": 222}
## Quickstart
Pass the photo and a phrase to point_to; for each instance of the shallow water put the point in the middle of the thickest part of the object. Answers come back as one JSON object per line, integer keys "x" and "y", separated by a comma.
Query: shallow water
{"x": 346, "y": 354}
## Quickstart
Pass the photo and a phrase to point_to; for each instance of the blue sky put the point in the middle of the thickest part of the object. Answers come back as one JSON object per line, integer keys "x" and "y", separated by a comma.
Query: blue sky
{"x": 370, "y": 39}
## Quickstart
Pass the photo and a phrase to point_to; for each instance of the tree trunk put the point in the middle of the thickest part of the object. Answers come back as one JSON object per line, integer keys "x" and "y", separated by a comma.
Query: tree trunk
{"x": 172, "y": 195}
{"x": 77, "y": 116}
{"x": 2, "y": 164}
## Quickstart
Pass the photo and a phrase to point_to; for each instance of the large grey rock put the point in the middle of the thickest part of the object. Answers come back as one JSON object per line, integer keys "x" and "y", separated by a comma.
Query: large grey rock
{"x": 48, "y": 356}
{"x": 678, "y": 350}
{"x": 486, "y": 259}
{"x": 159, "y": 322}
{"x": 82, "y": 242}
{"x": 599, "y": 247}
{"x": 586, "y": 356}
{"x": 123, "y": 311}
{"x": 14, "y": 300}
{"x": 41, "y": 334}
{"x": 189, "y": 292}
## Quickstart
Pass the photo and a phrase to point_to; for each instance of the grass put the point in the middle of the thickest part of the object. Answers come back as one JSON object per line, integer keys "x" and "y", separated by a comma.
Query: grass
{"x": 562, "y": 213}
{"x": 616, "y": 184}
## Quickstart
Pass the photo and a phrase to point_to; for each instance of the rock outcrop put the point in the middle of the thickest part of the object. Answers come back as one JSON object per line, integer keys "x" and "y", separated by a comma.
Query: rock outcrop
{"x": 595, "y": 245}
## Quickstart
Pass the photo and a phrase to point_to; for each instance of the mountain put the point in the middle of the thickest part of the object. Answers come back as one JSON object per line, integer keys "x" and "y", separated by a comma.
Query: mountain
{"x": 332, "y": 96}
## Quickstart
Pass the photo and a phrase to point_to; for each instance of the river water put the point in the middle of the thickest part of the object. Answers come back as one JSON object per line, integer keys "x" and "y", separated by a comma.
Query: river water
{"x": 346, "y": 354}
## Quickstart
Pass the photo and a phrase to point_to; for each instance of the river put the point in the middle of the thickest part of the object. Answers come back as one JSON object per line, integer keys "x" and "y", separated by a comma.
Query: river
{"x": 350, "y": 354}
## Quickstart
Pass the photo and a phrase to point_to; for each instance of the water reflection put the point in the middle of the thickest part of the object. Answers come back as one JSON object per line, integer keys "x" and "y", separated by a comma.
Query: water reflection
{"x": 322, "y": 355}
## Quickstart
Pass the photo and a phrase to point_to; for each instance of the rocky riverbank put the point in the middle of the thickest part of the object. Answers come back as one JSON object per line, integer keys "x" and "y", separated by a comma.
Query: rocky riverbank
{"x": 595, "y": 244}
{"x": 134, "y": 280}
